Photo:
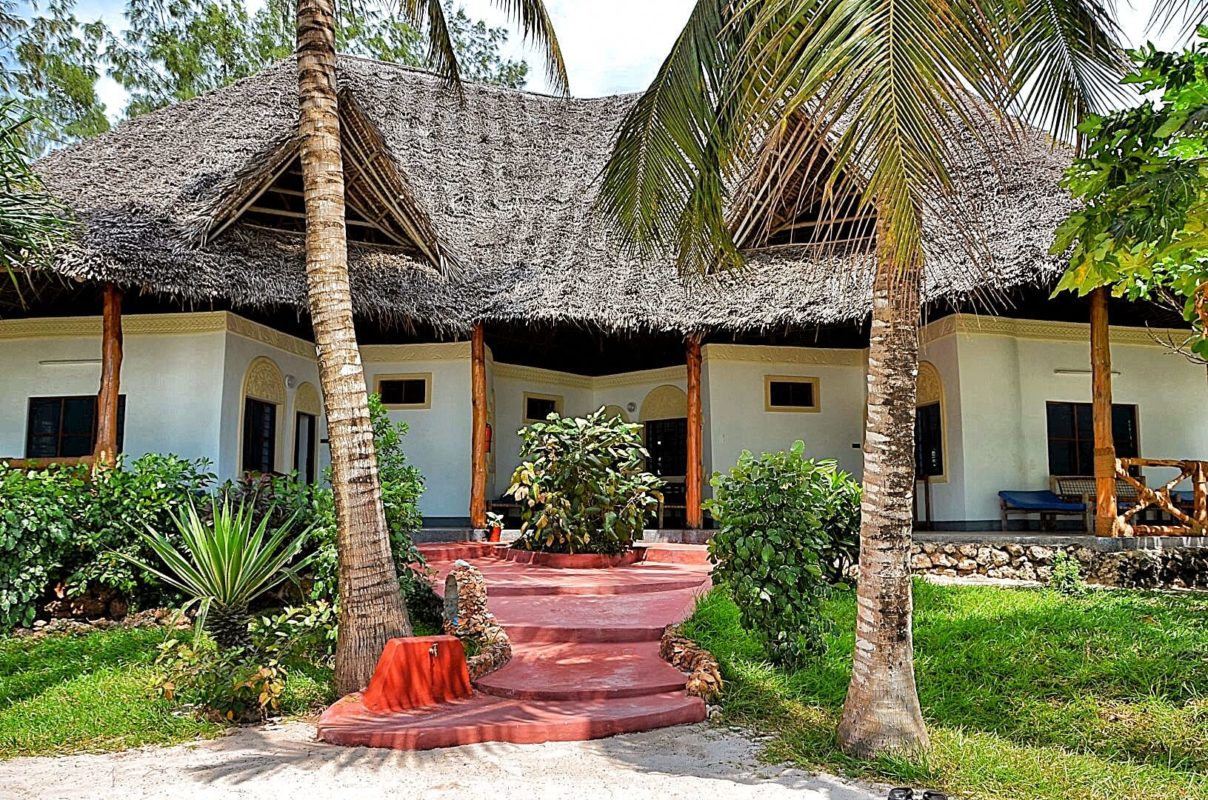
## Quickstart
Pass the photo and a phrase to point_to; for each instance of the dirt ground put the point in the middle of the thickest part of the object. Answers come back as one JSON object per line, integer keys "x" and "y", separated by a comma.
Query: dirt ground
{"x": 695, "y": 762}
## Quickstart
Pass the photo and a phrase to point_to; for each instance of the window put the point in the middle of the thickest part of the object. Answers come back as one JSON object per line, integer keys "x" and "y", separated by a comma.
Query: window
{"x": 405, "y": 391}
{"x": 667, "y": 443}
{"x": 928, "y": 441}
{"x": 65, "y": 427}
{"x": 537, "y": 407}
{"x": 259, "y": 436}
{"x": 304, "y": 446}
{"x": 1071, "y": 437}
{"x": 790, "y": 393}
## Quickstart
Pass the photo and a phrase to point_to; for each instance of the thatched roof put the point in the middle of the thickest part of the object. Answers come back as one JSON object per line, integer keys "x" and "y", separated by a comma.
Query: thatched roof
{"x": 506, "y": 184}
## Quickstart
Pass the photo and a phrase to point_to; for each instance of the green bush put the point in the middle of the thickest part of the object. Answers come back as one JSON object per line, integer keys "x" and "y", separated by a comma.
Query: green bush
{"x": 785, "y": 525}
{"x": 582, "y": 486}
{"x": 1067, "y": 575}
{"x": 237, "y": 685}
{"x": 67, "y": 526}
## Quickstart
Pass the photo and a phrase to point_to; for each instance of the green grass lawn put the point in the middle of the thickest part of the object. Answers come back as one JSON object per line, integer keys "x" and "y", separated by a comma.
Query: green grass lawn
{"x": 74, "y": 693}
{"x": 1027, "y": 694}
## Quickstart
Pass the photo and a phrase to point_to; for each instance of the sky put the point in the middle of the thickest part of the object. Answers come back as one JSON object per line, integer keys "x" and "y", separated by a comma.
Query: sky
{"x": 610, "y": 46}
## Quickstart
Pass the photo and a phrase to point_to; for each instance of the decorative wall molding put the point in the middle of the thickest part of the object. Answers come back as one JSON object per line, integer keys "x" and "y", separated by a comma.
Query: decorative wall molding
{"x": 426, "y": 351}
{"x": 518, "y": 372}
{"x": 771, "y": 354}
{"x": 270, "y": 336}
{"x": 975, "y": 324}
{"x": 307, "y": 400}
{"x": 264, "y": 381}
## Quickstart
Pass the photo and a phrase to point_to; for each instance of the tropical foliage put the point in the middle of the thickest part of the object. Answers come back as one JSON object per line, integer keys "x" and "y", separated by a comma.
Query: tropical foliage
{"x": 67, "y": 530}
{"x": 1142, "y": 227}
{"x": 31, "y": 222}
{"x": 224, "y": 564}
{"x": 787, "y": 529}
{"x": 171, "y": 51}
{"x": 582, "y": 486}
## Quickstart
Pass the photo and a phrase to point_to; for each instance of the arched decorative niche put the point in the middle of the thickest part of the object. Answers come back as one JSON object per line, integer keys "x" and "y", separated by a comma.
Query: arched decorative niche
{"x": 929, "y": 401}
{"x": 615, "y": 411}
{"x": 664, "y": 402}
{"x": 261, "y": 443}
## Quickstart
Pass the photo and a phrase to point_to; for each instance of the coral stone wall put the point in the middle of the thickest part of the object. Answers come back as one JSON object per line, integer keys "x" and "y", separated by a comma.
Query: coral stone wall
{"x": 1177, "y": 567}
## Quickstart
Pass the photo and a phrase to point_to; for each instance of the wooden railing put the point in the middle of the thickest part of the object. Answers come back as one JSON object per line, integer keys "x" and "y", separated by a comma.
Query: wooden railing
{"x": 43, "y": 463}
{"x": 1188, "y": 519}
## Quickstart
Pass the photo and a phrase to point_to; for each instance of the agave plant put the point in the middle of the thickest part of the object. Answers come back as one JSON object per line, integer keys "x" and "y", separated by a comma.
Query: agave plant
{"x": 225, "y": 564}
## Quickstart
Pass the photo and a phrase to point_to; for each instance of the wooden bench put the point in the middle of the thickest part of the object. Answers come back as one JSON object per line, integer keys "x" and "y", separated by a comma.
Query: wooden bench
{"x": 1081, "y": 488}
{"x": 1047, "y": 504}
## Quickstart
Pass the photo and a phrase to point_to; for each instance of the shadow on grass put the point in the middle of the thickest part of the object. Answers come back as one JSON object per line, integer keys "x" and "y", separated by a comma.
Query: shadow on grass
{"x": 1118, "y": 677}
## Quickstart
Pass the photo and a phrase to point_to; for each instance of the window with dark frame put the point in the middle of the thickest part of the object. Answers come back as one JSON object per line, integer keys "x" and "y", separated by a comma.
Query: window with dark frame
{"x": 259, "y": 436}
{"x": 403, "y": 391}
{"x": 65, "y": 427}
{"x": 1071, "y": 436}
{"x": 667, "y": 443}
{"x": 538, "y": 409}
{"x": 792, "y": 394}
{"x": 305, "y": 430}
{"x": 928, "y": 441}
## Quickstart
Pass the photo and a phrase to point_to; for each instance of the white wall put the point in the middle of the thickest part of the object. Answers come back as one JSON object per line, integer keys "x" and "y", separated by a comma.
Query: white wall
{"x": 1006, "y": 380}
{"x": 439, "y": 438}
{"x": 737, "y": 420}
{"x": 171, "y": 383}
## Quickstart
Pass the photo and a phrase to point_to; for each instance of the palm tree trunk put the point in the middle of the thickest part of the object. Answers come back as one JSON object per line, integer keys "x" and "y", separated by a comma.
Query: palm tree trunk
{"x": 881, "y": 713}
{"x": 371, "y": 606}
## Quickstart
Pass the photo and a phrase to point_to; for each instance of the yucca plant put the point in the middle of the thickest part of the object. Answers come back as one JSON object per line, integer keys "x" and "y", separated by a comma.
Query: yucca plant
{"x": 224, "y": 564}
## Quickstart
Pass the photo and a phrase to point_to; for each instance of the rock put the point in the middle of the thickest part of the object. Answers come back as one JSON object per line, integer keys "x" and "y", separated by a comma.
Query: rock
{"x": 1040, "y": 555}
{"x": 967, "y": 550}
{"x": 966, "y": 566}
{"x": 1014, "y": 550}
{"x": 1008, "y": 573}
{"x": 1026, "y": 572}
{"x": 943, "y": 560}
{"x": 983, "y": 556}
{"x": 999, "y": 558}
{"x": 920, "y": 561}
{"x": 929, "y": 548}
{"x": 1044, "y": 573}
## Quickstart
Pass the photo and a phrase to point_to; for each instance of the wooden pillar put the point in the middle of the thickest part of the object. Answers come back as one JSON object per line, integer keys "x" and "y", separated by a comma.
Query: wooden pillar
{"x": 1101, "y": 416}
{"x": 105, "y": 452}
{"x": 478, "y": 436}
{"x": 694, "y": 517}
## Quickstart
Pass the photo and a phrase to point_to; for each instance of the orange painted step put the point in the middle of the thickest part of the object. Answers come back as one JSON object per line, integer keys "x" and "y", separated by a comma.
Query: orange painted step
{"x": 441, "y": 552}
{"x": 575, "y": 671}
{"x": 676, "y": 554}
{"x": 484, "y": 718}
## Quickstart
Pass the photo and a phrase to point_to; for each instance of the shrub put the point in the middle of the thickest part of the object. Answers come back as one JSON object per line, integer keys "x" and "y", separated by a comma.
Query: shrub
{"x": 402, "y": 485}
{"x": 582, "y": 486}
{"x": 235, "y": 685}
{"x": 784, "y": 522}
{"x": 1067, "y": 575}
{"x": 305, "y": 632}
{"x": 36, "y": 530}
{"x": 70, "y": 527}
{"x": 225, "y": 564}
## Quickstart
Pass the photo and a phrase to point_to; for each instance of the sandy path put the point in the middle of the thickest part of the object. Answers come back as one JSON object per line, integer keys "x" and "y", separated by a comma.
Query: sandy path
{"x": 693, "y": 762}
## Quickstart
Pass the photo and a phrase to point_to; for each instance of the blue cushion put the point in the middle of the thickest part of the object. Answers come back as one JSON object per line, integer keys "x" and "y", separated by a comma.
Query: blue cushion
{"x": 1040, "y": 501}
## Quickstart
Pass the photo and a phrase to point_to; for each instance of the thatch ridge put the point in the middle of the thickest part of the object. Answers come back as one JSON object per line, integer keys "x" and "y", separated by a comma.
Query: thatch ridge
{"x": 508, "y": 181}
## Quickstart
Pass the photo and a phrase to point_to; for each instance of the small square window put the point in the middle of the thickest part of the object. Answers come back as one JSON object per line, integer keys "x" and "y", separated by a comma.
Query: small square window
{"x": 790, "y": 393}
{"x": 538, "y": 407}
{"x": 405, "y": 391}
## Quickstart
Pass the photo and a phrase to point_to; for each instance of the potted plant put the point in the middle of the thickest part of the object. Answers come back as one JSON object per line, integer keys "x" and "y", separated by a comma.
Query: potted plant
{"x": 494, "y": 526}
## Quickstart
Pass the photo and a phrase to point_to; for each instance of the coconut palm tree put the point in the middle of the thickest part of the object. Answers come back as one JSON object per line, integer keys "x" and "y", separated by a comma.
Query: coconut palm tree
{"x": 371, "y": 608}
{"x": 886, "y": 85}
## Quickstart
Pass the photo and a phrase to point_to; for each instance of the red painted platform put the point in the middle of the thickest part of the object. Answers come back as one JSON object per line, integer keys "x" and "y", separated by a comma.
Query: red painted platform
{"x": 585, "y": 662}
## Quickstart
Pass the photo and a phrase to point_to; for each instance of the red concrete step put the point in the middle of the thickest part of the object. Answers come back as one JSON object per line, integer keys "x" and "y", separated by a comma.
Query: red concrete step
{"x": 484, "y": 718}
{"x": 618, "y": 618}
{"x": 675, "y": 553}
{"x": 441, "y": 552}
{"x": 572, "y": 671}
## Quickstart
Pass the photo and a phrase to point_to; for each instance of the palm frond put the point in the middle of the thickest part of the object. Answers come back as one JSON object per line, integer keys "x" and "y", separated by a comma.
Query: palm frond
{"x": 1185, "y": 14}
{"x": 429, "y": 15}
{"x": 537, "y": 29}
{"x": 1066, "y": 61}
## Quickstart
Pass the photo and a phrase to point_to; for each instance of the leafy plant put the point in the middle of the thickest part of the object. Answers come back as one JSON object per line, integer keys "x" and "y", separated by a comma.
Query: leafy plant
{"x": 36, "y": 530}
{"x": 582, "y": 486}
{"x": 1142, "y": 226}
{"x": 1067, "y": 575}
{"x": 224, "y": 565}
{"x": 402, "y": 485}
{"x": 787, "y": 527}
{"x": 234, "y": 685}
{"x": 307, "y": 632}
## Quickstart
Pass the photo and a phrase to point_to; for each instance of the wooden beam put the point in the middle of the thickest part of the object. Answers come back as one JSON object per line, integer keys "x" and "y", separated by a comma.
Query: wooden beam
{"x": 105, "y": 452}
{"x": 693, "y": 516}
{"x": 1101, "y": 416}
{"x": 478, "y": 435}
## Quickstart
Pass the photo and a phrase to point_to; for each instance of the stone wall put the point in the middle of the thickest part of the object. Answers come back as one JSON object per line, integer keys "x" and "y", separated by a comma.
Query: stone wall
{"x": 1177, "y": 567}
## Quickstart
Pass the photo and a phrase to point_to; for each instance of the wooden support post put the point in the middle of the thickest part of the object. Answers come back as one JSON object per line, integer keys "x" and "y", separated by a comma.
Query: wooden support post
{"x": 105, "y": 452}
{"x": 694, "y": 517}
{"x": 1101, "y": 416}
{"x": 478, "y": 435}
